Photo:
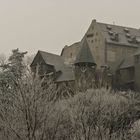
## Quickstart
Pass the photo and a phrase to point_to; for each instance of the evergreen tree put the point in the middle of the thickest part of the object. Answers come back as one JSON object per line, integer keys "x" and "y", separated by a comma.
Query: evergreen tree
{"x": 13, "y": 70}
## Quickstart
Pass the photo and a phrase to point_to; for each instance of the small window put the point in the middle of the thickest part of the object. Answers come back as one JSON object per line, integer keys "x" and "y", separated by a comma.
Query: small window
{"x": 90, "y": 35}
{"x": 137, "y": 58}
{"x": 96, "y": 33}
{"x": 70, "y": 54}
{"x": 92, "y": 41}
{"x": 95, "y": 39}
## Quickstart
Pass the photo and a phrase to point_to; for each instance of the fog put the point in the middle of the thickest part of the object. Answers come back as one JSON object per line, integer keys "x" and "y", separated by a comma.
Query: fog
{"x": 49, "y": 25}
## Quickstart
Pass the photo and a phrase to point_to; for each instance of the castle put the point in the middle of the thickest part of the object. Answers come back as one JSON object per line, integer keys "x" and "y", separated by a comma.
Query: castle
{"x": 107, "y": 48}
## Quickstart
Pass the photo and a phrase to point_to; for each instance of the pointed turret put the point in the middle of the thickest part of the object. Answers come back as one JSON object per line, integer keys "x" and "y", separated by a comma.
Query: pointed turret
{"x": 84, "y": 68}
{"x": 84, "y": 56}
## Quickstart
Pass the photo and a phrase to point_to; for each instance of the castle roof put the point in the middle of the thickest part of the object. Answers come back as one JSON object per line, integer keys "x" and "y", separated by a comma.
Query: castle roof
{"x": 53, "y": 59}
{"x": 65, "y": 72}
{"x": 85, "y": 55}
{"x": 126, "y": 36}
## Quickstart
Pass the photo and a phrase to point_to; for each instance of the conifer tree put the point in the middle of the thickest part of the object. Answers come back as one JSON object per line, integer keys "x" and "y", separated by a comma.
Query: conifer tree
{"x": 13, "y": 70}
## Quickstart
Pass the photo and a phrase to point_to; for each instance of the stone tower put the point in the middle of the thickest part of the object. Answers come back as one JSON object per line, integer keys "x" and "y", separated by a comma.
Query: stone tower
{"x": 84, "y": 68}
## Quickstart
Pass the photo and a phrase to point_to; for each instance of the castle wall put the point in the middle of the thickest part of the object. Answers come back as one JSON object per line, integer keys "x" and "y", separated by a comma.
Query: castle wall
{"x": 96, "y": 43}
{"x": 137, "y": 72}
{"x": 127, "y": 75}
{"x": 69, "y": 53}
{"x": 116, "y": 53}
{"x": 125, "y": 78}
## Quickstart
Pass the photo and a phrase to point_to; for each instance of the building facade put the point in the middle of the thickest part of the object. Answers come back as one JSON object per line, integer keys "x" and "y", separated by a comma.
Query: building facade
{"x": 113, "y": 49}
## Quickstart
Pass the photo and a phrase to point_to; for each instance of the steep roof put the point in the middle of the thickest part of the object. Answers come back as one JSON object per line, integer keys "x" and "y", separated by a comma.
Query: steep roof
{"x": 51, "y": 59}
{"x": 58, "y": 63}
{"x": 126, "y": 35}
{"x": 85, "y": 55}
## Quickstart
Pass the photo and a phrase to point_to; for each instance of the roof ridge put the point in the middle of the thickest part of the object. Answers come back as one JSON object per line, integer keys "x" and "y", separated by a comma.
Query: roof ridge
{"x": 118, "y": 25}
{"x": 49, "y": 53}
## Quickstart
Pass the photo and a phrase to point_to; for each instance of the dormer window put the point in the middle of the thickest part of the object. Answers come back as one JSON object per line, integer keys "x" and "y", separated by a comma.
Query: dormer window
{"x": 108, "y": 27}
{"x": 130, "y": 40}
{"x": 128, "y": 35}
{"x": 115, "y": 37}
{"x": 110, "y": 32}
{"x": 134, "y": 39}
{"x": 126, "y": 30}
{"x": 138, "y": 39}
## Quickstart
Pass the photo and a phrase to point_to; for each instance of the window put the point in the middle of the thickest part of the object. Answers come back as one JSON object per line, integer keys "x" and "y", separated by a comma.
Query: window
{"x": 90, "y": 35}
{"x": 137, "y": 58}
{"x": 70, "y": 54}
{"x": 96, "y": 33}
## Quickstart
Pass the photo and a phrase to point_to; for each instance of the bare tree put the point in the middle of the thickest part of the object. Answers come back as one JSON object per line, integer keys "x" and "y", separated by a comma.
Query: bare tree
{"x": 25, "y": 110}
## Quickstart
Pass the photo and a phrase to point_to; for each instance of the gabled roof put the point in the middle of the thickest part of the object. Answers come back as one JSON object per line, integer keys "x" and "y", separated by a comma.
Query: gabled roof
{"x": 66, "y": 73}
{"x": 85, "y": 55}
{"x": 125, "y": 34}
{"x": 50, "y": 59}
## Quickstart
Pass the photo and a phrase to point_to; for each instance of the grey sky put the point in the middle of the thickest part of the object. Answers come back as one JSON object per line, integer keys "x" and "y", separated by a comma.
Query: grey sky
{"x": 48, "y": 25}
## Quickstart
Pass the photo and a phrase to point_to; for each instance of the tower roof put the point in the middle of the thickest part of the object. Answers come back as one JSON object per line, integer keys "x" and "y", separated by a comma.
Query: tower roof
{"x": 85, "y": 55}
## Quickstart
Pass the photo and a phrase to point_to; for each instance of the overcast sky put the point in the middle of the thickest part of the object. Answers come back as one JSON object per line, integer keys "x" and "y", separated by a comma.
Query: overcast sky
{"x": 49, "y": 25}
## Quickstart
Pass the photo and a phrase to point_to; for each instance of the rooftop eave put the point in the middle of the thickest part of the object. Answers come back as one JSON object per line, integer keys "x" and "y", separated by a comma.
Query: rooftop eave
{"x": 122, "y": 44}
{"x": 126, "y": 67}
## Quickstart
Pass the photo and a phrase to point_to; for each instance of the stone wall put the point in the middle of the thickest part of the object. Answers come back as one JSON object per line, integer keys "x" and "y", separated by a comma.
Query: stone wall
{"x": 137, "y": 72}
{"x": 116, "y": 53}
{"x": 96, "y": 43}
{"x": 69, "y": 53}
